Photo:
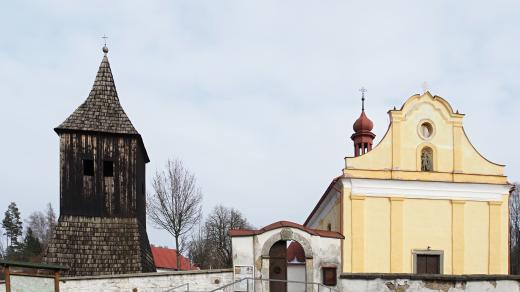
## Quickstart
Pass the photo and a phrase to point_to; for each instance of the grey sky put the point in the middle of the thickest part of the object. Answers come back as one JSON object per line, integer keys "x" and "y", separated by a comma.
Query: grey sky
{"x": 257, "y": 98}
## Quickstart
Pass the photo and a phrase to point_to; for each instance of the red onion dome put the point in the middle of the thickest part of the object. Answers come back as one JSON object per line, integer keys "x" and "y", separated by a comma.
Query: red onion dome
{"x": 363, "y": 124}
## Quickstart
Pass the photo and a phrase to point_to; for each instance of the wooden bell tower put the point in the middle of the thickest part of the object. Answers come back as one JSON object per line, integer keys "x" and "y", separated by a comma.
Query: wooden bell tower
{"x": 102, "y": 224}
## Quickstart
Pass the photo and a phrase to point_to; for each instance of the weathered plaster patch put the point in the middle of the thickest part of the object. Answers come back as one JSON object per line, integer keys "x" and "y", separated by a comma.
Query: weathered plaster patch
{"x": 397, "y": 287}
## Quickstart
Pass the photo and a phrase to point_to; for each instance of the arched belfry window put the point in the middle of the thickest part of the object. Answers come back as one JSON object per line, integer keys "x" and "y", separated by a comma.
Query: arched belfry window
{"x": 427, "y": 159}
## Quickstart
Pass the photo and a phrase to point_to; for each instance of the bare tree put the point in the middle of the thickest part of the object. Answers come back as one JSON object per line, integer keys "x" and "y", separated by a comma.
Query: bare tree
{"x": 514, "y": 229}
{"x": 211, "y": 248}
{"x": 198, "y": 249}
{"x": 50, "y": 217}
{"x": 175, "y": 204}
{"x": 42, "y": 225}
{"x": 36, "y": 221}
{"x": 2, "y": 250}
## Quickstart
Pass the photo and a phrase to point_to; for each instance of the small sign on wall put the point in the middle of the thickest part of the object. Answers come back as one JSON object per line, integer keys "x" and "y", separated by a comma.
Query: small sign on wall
{"x": 246, "y": 274}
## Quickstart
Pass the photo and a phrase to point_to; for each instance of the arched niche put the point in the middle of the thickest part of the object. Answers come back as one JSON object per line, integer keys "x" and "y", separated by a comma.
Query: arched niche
{"x": 428, "y": 147}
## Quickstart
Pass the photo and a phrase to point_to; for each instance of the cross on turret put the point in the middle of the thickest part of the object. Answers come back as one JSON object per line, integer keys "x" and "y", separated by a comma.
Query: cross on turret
{"x": 363, "y": 90}
{"x": 363, "y": 136}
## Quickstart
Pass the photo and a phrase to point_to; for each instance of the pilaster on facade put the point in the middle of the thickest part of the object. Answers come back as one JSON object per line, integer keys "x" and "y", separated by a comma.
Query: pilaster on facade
{"x": 358, "y": 234}
{"x": 457, "y": 208}
{"x": 495, "y": 242}
{"x": 396, "y": 234}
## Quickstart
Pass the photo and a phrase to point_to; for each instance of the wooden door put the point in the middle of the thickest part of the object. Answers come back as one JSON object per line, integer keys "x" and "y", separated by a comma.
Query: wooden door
{"x": 278, "y": 266}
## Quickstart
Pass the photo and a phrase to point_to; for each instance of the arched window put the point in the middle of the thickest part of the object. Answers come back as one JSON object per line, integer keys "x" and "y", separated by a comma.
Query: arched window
{"x": 427, "y": 159}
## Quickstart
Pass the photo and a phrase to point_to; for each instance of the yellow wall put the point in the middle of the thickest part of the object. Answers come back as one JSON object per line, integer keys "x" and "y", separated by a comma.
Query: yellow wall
{"x": 427, "y": 223}
{"x": 476, "y": 234}
{"x": 383, "y": 232}
{"x": 332, "y": 218}
{"x": 377, "y": 234}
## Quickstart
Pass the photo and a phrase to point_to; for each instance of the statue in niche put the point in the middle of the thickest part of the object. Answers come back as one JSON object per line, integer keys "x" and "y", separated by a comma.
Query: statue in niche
{"x": 427, "y": 160}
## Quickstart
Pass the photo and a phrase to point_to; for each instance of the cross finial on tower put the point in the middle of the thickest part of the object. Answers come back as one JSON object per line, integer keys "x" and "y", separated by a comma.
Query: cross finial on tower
{"x": 105, "y": 48}
{"x": 363, "y": 90}
{"x": 425, "y": 86}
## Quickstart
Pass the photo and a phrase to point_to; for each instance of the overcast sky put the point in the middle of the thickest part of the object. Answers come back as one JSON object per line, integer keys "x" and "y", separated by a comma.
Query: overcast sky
{"x": 257, "y": 98}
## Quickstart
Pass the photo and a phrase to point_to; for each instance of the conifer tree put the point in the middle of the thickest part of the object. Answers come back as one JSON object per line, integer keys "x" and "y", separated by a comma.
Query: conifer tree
{"x": 32, "y": 247}
{"x": 12, "y": 223}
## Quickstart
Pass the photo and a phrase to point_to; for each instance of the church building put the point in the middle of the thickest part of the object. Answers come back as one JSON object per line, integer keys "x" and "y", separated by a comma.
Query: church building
{"x": 102, "y": 225}
{"x": 424, "y": 200}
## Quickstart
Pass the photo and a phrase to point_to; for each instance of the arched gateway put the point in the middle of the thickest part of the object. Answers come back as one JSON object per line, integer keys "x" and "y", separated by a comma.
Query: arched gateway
{"x": 265, "y": 250}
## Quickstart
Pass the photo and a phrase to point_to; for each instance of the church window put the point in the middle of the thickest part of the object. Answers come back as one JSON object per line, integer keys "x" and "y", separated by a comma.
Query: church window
{"x": 88, "y": 167}
{"x": 329, "y": 276}
{"x": 427, "y": 159}
{"x": 108, "y": 168}
{"x": 428, "y": 262}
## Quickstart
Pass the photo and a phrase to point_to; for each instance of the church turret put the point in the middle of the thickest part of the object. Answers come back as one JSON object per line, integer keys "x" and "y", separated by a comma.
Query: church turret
{"x": 102, "y": 224}
{"x": 363, "y": 136}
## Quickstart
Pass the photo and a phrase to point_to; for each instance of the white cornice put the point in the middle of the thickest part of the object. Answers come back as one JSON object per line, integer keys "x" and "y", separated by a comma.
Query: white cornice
{"x": 426, "y": 190}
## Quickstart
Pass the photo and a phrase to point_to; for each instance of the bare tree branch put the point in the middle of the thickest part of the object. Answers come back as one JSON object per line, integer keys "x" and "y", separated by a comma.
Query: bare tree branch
{"x": 175, "y": 204}
{"x": 211, "y": 247}
{"x": 514, "y": 229}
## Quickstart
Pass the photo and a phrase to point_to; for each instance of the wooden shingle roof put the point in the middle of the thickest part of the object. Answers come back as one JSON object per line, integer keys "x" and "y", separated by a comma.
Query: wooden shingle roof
{"x": 92, "y": 246}
{"x": 101, "y": 111}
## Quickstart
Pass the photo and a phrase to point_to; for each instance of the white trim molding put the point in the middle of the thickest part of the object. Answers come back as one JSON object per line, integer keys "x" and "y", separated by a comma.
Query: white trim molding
{"x": 427, "y": 189}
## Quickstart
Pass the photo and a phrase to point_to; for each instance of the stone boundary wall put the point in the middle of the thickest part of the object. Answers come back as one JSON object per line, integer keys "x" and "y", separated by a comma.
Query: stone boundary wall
{"x": 204, "y": 280}
{"x": 429, "y": 283}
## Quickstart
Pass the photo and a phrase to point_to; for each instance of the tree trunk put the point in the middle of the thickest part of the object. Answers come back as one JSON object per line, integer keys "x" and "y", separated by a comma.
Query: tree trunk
{"x": 178, "y": 253}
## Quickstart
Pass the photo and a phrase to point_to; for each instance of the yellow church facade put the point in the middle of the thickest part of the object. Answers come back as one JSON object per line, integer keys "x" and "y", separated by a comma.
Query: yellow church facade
{"x": 423, "y": 200}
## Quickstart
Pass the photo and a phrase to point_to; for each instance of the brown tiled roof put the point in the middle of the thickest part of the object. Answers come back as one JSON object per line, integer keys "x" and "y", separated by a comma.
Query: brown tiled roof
{"x": 101, "y": 111}
{"x": 281, "y": 224}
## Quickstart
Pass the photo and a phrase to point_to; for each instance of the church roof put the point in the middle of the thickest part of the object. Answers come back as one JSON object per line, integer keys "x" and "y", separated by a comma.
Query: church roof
{"x": 101, "y": 111}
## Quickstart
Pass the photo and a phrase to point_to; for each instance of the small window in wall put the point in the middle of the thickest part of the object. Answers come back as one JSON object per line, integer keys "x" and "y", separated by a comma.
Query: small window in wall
{"x": 426, "y": 130}
{"x": 428, "y": 262}
{"x": 329, "y": 276}
{"x": 329, "y": 227}
{"x": 108, "y": 168}
{"x": 88, "y": 167}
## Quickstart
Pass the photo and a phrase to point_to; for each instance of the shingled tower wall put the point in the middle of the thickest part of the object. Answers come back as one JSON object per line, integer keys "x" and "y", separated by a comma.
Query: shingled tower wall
{"x": 102, "y": 224}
